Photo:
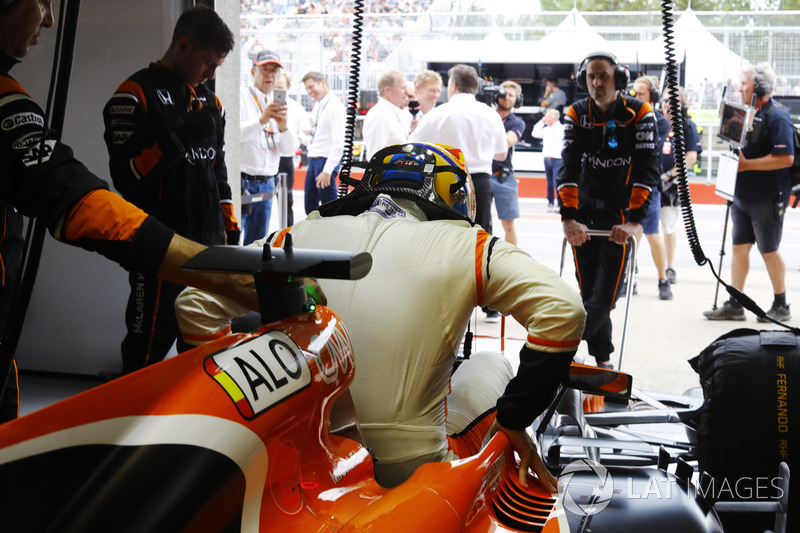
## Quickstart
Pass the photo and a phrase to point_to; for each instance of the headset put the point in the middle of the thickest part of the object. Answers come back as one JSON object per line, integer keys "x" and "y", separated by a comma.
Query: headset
{"x": 501, "y": 93}
{"x": 622, "y": 75}
{"x": 652, "y": 82}
{"x": 761, "y": 86}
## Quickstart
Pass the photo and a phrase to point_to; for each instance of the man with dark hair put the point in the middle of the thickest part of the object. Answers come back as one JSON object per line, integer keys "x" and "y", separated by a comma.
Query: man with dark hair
{"x": 165, "y": 135}
{"x": 325, "y": 142}
{"x": 763, "y": 186}
{"x": 75, "y": 204}
{"x": 609, "y": 166}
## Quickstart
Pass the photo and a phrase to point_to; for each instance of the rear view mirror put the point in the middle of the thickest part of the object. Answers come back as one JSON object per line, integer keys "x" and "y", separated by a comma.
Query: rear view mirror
{"x": 600, "y": 381}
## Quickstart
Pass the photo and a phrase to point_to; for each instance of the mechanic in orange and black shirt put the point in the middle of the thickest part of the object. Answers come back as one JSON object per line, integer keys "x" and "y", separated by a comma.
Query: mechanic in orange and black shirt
{"x": 40, "y": 178}
{"x": 610, "y": 166}
{"x": 165, "y": 138}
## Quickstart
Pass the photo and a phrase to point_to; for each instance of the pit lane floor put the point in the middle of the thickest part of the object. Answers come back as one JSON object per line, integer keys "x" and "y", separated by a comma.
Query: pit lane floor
{"x": 662, "y": 335}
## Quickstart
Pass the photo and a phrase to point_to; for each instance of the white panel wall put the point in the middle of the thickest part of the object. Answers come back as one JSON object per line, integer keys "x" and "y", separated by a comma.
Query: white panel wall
{"x": 75, "y": 322}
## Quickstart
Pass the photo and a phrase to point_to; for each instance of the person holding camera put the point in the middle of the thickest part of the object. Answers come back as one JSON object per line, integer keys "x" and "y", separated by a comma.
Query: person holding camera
{"x": 763, "y": 186}
{"x": 265, "y": 135}
{"x": 504, "y": 184}
{"x": 165, "y": 131}
{"x": 609, "y": 167}
{"x": 551, "y": 131}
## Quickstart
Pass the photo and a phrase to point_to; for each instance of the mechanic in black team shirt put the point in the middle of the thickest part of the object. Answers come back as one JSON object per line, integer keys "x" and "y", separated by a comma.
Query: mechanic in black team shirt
{"x": 75, "y": 204}
{"x": 610, "y": 166}
{"x": 165, "y": 136}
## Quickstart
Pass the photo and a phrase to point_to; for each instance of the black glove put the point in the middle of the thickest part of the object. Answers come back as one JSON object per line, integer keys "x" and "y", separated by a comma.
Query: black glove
{"x": 198, "y": 126}
{"x": 232, "y": 237}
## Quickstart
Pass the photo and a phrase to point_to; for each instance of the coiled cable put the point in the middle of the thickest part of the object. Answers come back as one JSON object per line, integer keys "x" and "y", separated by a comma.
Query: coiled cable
{"x": 352, "y": 99}
{"x": 679, "y": 146}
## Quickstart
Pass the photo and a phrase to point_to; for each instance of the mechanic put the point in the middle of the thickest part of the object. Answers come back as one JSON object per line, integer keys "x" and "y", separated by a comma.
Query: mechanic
{"x": 75, "y": 204}
{"x": 670, "y": 201}
{"x": 265, "y": 134}
{"x": 503, "y": 182}
{"x": 428, "y": 257}
{"x": 763, "y": 186}
{"x": 551, "y": 131}
{"x": 646, "y": 89}
{"x": 609, "y": 166}
{"x": 165, "y": 137}
{"x": 325, "y": 142}
{"x": 384, "y": 123}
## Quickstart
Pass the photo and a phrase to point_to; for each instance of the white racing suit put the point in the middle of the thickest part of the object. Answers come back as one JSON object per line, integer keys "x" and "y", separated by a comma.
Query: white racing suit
{"x": 407, "y": 317}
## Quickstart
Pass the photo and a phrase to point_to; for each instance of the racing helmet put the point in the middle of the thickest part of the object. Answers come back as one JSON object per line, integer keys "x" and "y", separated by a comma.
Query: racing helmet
{"x": 433, "y": 173}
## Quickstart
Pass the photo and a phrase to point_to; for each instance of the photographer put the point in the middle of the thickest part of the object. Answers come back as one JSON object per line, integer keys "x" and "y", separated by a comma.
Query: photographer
{"x": 504, "y": 184}
{"x": 763, "y": 185}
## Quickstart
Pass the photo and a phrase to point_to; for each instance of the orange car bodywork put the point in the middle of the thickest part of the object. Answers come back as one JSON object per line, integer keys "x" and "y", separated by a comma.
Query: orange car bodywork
{"x": 264, "y": 401}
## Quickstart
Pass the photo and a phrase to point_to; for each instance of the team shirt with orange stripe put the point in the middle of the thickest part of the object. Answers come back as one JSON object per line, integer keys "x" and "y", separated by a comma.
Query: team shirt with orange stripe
{"x": 41, "y": 178}
{"x": 189, "y": 191}
{"x": 612, "y": 166}
{"x": 407, "y": 317}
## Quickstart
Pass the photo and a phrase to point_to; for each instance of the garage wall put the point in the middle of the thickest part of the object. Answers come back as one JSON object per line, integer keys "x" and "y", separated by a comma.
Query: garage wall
{"x": 75, "y": 322}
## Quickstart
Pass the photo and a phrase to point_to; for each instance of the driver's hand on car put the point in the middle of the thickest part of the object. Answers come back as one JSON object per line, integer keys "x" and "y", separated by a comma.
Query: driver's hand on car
{"x": 528, "y": 457}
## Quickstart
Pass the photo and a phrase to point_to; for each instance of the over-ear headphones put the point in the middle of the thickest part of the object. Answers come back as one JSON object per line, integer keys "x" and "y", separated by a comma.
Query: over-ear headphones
{"x": 622, "y": 75}
{"x": 652, "y": 82}
{"x": 502, "y": 93}
{"x": 761, "y": 86}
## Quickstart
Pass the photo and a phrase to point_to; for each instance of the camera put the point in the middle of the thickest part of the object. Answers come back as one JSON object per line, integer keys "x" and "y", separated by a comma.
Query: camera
{"x": 489, "y": 93}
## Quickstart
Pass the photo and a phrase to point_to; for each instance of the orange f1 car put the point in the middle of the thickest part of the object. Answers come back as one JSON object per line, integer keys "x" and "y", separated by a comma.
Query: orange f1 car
{"x": 257, "y": 432}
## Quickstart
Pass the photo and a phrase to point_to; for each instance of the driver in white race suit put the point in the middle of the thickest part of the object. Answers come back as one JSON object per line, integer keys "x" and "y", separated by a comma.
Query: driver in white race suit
{"x": 431, "y": 268}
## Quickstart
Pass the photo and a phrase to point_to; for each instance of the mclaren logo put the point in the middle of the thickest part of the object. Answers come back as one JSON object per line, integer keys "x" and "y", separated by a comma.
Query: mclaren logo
{"x": 22, "y": 119}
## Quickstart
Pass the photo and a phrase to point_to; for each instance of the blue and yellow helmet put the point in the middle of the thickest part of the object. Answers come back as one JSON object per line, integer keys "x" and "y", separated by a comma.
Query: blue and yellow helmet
{"x": 433, "y": 173}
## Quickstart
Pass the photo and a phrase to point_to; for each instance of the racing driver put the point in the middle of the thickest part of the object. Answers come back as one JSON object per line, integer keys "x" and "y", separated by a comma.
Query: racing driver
{"x": 431, "y": 268}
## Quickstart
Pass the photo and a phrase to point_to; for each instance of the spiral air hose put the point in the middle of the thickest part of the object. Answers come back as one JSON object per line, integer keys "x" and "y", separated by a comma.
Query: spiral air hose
{"x": 352, "y": 99}
{"x": 671, "y": 82}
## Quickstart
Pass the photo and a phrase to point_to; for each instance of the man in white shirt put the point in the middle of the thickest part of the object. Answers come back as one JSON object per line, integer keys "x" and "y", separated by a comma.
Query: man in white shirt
{"x": 325, "y": 143}
{"x": 265, "y": 134}
{"x": 472, "y": 127}
{"x": 299, "y": 122}
{"x": 384, "y": 124}
{"x": 428, "y": 88}
{"x": 551, "y": 131}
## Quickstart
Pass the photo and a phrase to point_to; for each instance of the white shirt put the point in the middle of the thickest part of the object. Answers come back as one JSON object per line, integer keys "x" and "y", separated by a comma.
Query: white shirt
{"x": 327, "y": 131}
{"x": 552, "y": 138}
{"x": 261, "y": 146}
{"x": 298, "y": 122}
{"x": 465, "y": 123}
{"x": 383, "y": 126}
